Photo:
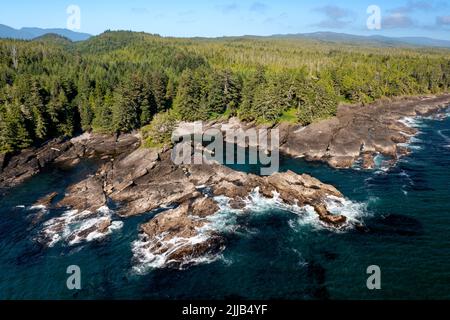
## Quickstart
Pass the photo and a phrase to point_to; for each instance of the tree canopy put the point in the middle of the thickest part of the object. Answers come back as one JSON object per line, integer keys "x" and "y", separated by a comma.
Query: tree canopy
{"x": 121, "y": 81}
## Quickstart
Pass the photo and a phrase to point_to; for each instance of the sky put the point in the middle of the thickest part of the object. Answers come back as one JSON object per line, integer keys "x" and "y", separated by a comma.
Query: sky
{"x": 213, "y": 18}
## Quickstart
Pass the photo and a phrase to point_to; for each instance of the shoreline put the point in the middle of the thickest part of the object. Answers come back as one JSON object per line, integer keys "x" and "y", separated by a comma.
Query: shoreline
{"x": 361, "y": 133}
{"x": 140, "y": 180}
{"x": 356, "y": 134}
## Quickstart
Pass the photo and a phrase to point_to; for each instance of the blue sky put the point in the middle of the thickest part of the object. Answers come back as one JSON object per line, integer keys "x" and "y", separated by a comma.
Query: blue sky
{"x": 235, "y": 17}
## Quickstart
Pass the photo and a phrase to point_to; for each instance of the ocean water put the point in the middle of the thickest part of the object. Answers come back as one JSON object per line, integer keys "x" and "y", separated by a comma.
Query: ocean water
{"x": 272, "y": 252}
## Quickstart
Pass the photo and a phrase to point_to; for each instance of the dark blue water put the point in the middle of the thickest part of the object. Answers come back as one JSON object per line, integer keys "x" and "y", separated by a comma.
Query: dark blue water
{"x": 273, "y": 254}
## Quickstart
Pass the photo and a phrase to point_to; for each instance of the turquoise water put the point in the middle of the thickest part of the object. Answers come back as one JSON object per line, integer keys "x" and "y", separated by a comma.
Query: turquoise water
{"x": 270, "y": 254}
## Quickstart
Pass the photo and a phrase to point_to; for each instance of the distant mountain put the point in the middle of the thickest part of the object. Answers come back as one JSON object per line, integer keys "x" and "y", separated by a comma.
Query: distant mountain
{"x": 32, "y": 33}
{"x": 371, "y": 40}
{"x": 53, "y": 38}
{"x": 375, "y": 40}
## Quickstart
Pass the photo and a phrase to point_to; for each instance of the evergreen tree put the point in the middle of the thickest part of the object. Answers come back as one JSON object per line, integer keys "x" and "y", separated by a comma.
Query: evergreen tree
{"x": 103, "y": 113}
{"x": 36, "y": 104}
{"x": 252, "y": 85}
{"x": 314, "y": 102}
{"x": 86, "y": 112}
{"x": 128, "y": 100}
{"x": 187, "y": 101}
{"x": 159, "y": 83}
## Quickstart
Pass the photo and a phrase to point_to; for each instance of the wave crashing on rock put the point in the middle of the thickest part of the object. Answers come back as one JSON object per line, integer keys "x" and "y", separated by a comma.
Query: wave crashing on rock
{"x": 74, "y": 227}
{"x": 167, "y": 242}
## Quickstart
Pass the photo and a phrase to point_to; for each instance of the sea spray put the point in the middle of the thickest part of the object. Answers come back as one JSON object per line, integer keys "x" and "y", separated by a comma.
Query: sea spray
{"x": 74, "y": 227}
{"x": 152, "y": 253}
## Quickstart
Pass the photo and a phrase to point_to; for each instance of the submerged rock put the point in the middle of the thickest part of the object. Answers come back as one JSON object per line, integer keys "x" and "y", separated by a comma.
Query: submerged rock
{"x": 46, "y": 201}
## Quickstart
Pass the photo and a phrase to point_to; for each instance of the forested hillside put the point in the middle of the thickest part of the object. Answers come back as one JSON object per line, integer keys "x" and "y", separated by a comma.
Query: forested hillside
{"x": 119, "y": 81}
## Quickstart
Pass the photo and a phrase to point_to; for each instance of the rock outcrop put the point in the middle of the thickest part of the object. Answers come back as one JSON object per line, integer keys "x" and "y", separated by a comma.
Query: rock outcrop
{"x": 46, "y": 201}
{"x": 142, "y": 180}
{"x": 360, "y": 132}
{"x": 180, "y": 236}
{"x": 16, "y": 168}
{"x": 146, "y": 180}
{"x": 356, "y": 133}
{"x": 101, "y": 146}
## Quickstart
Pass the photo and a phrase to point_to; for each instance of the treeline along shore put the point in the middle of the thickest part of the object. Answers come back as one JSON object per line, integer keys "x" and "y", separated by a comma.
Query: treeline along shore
{"x": 140, "y": 179}
{"x": 119, "y": 82}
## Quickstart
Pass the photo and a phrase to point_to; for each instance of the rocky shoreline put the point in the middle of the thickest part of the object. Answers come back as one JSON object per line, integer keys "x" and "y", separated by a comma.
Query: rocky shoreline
{"x": 141, "y": 180}
{"x": 360, "y": 133}
{"x": 16, "y": 168}
{"x": 146, "y": 180}
{"x": 355, "y": 134}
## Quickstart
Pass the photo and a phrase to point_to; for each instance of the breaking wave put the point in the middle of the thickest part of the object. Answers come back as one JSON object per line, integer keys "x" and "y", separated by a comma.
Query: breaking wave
{"x": 256, "y": 203}
{"x": 148, "y": 253}
{"x": 413, "y": 122}
{"x": 445, "y": 136}
{"x": 152, "y": 253}
{"x": 73, "y": 227}
{"x": 353, "y": 211}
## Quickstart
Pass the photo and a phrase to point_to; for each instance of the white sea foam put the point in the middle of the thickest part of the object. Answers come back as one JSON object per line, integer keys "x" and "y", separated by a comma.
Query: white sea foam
{"x": 306, "y": 215}
{"x": 151, "y": 253}
{"x": 154, "y": 253}
{"x": 257, "y": 203}
{"x": 414, "y": 139}
{"x": 353, "y": 211}
{"x": 74, "y": 227}
{"x": 302, "y": 262}
{"x": 413, "y": 143}
{"x": 381, "y": 164}
{"x": 412, "y": 122}
{"x": 39, "y": 211}
{"x": 37, "y": 207}
{"x": 405, "y": 175}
